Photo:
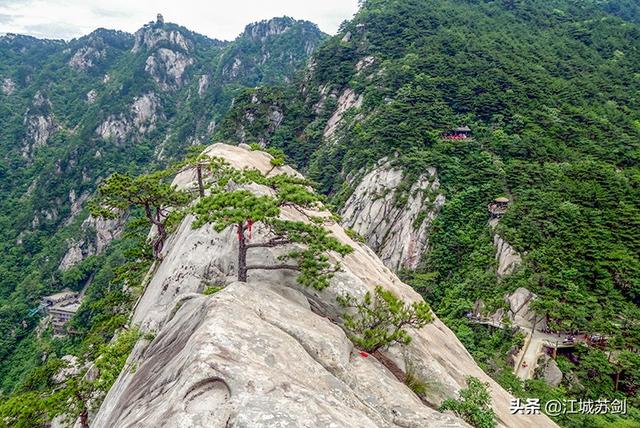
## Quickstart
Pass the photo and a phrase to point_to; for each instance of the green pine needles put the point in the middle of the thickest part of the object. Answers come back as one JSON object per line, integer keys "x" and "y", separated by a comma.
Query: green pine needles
{"x": 474, "y": 404}
{"x": 379, "y": 321}
{"x": 151, "y": 192}
{"x": 309, "y": 243}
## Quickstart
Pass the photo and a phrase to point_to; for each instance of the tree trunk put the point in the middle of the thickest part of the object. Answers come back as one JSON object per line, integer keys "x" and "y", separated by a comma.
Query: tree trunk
{"x": 84, "y": 418}
{"x": 200, "y": 183}
{"x": 84, "y": 412}
{"x": 242, "y": 254}
{"x": 159, "y": 243}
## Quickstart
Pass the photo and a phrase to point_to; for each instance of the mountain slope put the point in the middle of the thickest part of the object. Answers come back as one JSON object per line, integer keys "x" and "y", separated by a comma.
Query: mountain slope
{"x": 550, "y": 91}
{"x": 268, "y": 352}
{"x": 73, "y": 113}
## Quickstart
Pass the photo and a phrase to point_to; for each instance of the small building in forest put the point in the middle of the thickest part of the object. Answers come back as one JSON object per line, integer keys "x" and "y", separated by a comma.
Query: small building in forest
{"x": 61, "y": 307}
{"x": 57, "y": 298}
{"x": 60, "y": 316}
{"x": 498, "y": 207}
{"x": 460, "y": 133}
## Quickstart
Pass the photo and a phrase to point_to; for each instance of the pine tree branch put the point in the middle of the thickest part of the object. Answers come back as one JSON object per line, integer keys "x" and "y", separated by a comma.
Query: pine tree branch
{"x": 269, "y": 244}
{"x": 273, "y": 267}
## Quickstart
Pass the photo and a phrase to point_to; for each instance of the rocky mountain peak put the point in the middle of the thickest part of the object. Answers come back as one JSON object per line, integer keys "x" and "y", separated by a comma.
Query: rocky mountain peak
{"x": 259, "y": 31}
{"x": 157, "y": 34}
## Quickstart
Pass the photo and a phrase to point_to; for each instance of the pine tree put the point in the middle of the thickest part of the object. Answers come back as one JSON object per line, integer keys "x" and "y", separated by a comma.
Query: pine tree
{"x": 242, "y": 209}
{"x": 150, "y": 192}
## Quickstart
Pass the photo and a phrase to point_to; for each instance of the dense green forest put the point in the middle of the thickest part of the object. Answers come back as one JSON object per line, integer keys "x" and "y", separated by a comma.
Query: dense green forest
{"x": 73, "y": 113}
{"x": 550, "y": 91}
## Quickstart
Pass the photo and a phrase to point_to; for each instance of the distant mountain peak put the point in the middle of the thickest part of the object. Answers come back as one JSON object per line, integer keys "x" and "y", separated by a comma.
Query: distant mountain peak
{"x": 272, "y": 27}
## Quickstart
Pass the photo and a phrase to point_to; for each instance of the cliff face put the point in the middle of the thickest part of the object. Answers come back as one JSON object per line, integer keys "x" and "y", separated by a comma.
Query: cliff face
{"x": 267, "y": 353}
{"x": 396, "y": 230}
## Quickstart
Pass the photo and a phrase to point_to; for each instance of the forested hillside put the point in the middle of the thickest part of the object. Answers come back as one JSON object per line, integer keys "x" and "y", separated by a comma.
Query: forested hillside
{"x": 73, "y": 113}
{"x": 548, "y": 88}
{"x": 550, "y": 91}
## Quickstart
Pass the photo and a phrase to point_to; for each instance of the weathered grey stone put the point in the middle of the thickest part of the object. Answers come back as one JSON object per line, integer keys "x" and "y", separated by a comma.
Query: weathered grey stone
{"x": 167, "y": 68}
{"x": 552, "y": 374}
{"x": 347, "y": 100}
{"x": 39, "y": 129}
{"x": 105, "y": 231}
{"x": 520, "y": 311}
{"x": 7, "y": 86}
{"x": 259, "y": 355}
{"x": 145, "y": 112}
{"x": 115, "y": 128}
{"x": 507, "y": 257}
{"x": 203, "y": 84}
{"x": 398, "y": 233}
{"x": 149, "y": 37}
{"x": 140, "y": 119}
{"x": 92, "y": 95}
{"x": 86, "y": 57}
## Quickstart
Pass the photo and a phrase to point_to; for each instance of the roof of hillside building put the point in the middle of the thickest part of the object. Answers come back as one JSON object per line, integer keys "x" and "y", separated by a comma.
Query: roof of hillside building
{"x": 68, "y": 308}
{"x": 66, "y": 294}
{"x": 502, "y": 200}
{"x": 463, "y": 129}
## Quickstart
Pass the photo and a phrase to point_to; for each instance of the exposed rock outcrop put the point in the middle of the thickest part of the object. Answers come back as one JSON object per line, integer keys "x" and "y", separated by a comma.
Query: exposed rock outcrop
{"x": 520, "y": 311}
{"x": 396, "y": 231}
{"x": 92, "y": 95}
{"x": 552, "y": 374}
{"x": 169, "y": 54}
{"x": 7, "y": 86}
{"x": 260, "y": 31}
{"x": 39, "y": 129}
{"x": 141, "y": 118}
{"x": 100, "y": 231}
{"x": 203, "y": 84}
{"x": 39, "y": 124}
{"x": 145, "y": 110}
{"x": 115, "y": 128}
{"x": 507, "y": 257}
{"x": 167, "y": 68}
{"x": 347, "y": 100}
{"x": 86, "y": 58}
{"x": 150, "y": 36}
{"x": 265, "y": 353}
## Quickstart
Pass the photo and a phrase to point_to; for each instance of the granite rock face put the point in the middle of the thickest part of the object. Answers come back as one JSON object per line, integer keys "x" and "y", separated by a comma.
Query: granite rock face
{"x": 167, "y": 68}
{"x": 143, "y": 114}
{"x": 86, "y": 57}
{"x": 346, "y": 101}
{"x": 507, "y": 257}
{"x": 150, "y": 36}
{"x": 520, "y": 311}
{"x": 396, "y": 231}
{"x": 552, "y": 374}
{"x": 7, "y": 86}
{"x": 269, "y": 352}
{"x": 103, "y": 231}
{"x": 273, "y": 363}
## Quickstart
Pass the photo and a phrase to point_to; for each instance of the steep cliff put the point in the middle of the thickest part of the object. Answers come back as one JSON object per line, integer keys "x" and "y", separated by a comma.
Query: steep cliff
{"x": 395, "y": 225}
{"x": 267, "y": 353}
{"x": 75, "y": 112}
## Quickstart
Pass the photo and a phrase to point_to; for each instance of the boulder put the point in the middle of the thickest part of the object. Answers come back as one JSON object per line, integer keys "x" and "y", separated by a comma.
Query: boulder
{"x": 552, "y": 374}
{"x": 507, "y": 257}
